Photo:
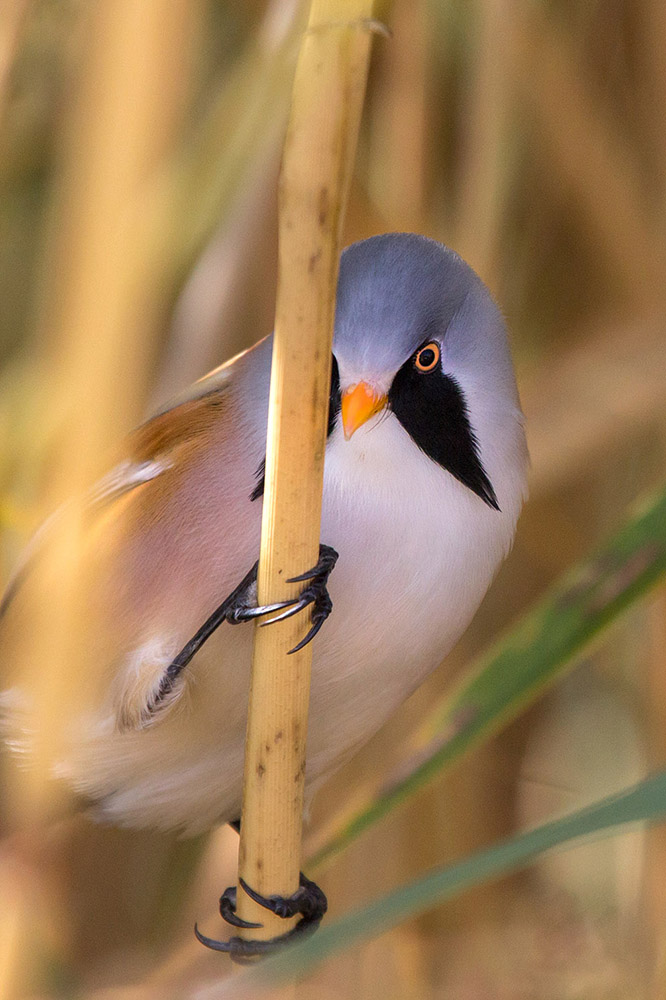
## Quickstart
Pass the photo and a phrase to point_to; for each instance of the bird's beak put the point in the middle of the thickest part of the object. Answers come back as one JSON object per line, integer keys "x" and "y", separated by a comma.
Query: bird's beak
{"x": 359, "y": 403}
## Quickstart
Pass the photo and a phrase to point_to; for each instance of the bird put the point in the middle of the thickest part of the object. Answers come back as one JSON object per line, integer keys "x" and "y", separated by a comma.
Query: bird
{"x": 425, "y": 475}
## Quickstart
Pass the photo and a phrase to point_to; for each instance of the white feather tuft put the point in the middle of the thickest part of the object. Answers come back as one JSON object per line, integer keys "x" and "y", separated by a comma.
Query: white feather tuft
{"x": 138, "y": 698}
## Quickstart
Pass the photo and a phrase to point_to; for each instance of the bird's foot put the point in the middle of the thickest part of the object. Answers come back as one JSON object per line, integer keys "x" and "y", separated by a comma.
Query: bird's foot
{"x": 309, "y": 901}
{"x": 242, "y": 602}
{"x": 315, "y": 593}
{"x": 241, "y": 606}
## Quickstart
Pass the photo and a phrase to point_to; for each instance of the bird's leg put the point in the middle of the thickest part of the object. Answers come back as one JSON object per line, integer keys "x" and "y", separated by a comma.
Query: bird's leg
{"x": 241, "y": 606}
{"x": 309, "y": 901}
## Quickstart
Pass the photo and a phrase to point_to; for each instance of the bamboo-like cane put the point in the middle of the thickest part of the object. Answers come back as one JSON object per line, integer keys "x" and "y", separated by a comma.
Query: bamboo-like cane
{"x": 318, "y": 156}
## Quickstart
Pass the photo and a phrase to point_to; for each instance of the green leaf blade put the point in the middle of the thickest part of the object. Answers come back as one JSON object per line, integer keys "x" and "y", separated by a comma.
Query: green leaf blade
{"x": 644, "y": 802}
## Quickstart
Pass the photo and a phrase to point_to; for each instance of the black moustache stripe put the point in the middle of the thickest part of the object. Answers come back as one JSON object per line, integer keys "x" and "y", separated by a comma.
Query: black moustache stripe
{"x": 432, "y": 409}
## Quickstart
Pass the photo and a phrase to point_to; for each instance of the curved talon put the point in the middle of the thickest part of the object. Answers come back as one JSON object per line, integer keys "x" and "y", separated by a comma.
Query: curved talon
{"x": 212, "y": 943}
{"x": 320, "y": 612}
{"x": 327, "y": 560}
{"x": 242, "y": 950}
{"x": 298, "y": 605}
{"x": 315, "y": 594}
{"x": 228, "y": 909}
{"x": 239, "y": 949}
{"x": 309, "y": 637}
{"x": 281, "y": 906}
{"x": 243, "y": 614}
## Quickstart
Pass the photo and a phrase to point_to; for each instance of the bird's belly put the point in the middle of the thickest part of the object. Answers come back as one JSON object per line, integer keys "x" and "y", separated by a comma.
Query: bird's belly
{"x": 396, "y": 614}
{"x": 185, "y": 770}
{"x": 403, "y": 591}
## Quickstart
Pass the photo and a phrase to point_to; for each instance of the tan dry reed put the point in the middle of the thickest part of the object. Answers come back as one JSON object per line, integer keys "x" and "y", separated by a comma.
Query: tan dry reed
{"x": 320, "y": 145}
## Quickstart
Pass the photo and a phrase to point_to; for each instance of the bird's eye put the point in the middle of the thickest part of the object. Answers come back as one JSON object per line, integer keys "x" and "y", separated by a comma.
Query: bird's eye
{"x": 428, "y": 357}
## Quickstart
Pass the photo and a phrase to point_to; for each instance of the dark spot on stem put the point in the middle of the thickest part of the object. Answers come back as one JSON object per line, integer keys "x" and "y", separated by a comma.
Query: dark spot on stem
{"x": 313, "y": 261}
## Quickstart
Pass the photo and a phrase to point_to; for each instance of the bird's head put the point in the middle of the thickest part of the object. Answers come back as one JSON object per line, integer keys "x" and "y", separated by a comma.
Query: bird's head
{"x": 418, "y": 338}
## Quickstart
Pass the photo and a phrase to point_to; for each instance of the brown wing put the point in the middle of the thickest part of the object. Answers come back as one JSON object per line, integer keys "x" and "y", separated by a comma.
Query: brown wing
{"x": 162, "y": 443}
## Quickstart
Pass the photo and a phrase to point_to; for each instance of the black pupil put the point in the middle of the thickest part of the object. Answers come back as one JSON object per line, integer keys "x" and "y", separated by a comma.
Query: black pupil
{"x": 427, "y": 357}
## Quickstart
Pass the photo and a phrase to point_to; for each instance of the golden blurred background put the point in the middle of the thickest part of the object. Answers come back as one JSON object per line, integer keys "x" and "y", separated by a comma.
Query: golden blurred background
{"x": 139, "y": 152}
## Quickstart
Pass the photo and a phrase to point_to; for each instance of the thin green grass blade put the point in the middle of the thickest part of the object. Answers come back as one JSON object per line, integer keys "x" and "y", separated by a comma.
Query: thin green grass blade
{"x": 645, "y": 802}
{"x": 519, "y": 668}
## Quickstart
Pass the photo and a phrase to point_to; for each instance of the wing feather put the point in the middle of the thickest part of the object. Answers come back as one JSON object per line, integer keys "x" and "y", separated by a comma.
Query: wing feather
{"x": 153, "y": 448}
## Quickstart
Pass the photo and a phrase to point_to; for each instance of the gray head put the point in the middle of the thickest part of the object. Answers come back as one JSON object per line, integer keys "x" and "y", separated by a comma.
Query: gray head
{"x": 397, "y": 291}
{"x": 394, "y": 291}
{"x": 417, "y": 331}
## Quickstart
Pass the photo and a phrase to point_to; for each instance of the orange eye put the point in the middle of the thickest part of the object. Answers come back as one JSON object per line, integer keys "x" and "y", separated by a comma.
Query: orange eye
{"x": 428, "y": 357}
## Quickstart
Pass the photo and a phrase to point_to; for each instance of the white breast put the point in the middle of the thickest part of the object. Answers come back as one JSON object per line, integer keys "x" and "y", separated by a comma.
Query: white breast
{"x": 418, "y": 551}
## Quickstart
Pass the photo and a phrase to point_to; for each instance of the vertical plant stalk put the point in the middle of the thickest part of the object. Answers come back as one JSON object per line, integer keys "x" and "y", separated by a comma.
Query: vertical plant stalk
{"x": 12, "y": 20}
{"x": 99, "y": 307}
{"x": 319, "y": 150}
{"x": 97, "y": 338}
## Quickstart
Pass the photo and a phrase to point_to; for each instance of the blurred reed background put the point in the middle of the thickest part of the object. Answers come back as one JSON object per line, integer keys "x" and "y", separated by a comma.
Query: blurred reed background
{"x": 139, "y": 149}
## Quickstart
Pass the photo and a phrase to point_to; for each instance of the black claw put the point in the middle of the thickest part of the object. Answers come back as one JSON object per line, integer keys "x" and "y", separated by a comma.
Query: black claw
{"x": 242, "y": 951}
{"x": 281, "y": 906}
{"x": 309, "y": 637}
{"x": 241, "y": 614}
{"x": 212, "y": 943}
{"x": 309, "y": 901}
{"x": 321, "y": 609}
{"x": 327, "y": 560}
{"x": 228, "y": 909}
{"x": 240, "y": 607}
{"x": 298, "y": 605}
{"x": 315, "y": 594}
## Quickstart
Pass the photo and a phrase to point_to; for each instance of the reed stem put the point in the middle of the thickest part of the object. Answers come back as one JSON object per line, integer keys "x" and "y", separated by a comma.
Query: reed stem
{"x": 319, "y": 151}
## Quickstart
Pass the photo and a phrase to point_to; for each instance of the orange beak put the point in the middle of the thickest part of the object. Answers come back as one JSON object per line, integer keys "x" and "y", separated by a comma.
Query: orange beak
{"x": 359, "y": 403}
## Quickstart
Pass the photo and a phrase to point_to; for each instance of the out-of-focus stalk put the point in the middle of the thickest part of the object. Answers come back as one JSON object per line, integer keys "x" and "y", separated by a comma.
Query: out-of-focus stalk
{"x": 98, "y": 323}
{"x": 12, "y": 19}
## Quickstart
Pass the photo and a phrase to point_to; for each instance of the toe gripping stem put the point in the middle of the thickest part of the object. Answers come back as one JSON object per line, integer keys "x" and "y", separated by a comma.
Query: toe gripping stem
{"x": 309, "y": 901}
{"x": 241, "y": 606}
{"x": 315, "y": 593}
